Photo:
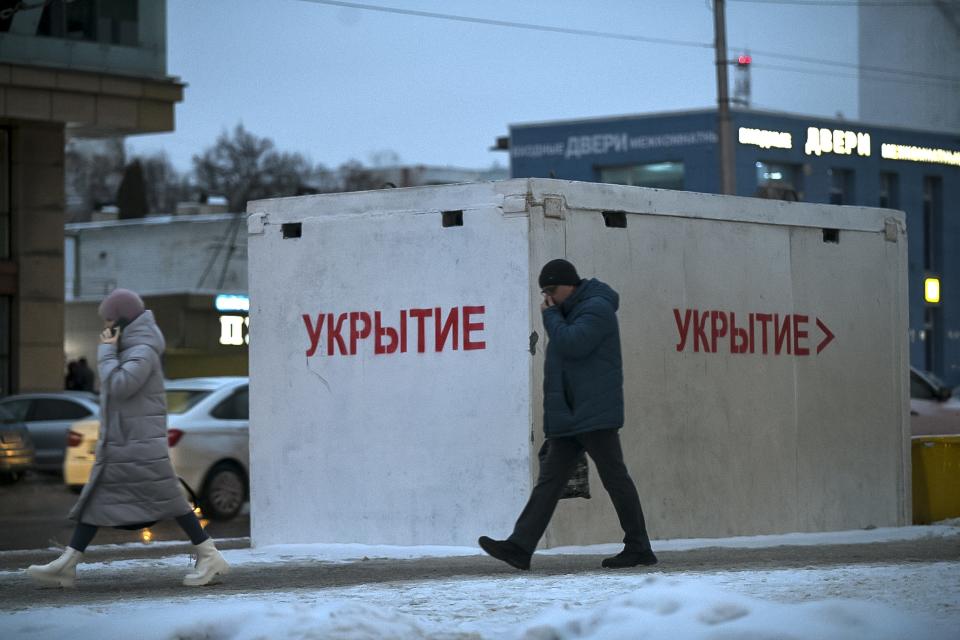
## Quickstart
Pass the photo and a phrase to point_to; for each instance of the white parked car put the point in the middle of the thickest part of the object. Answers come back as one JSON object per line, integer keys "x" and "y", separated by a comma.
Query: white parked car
{"x": 208, "y": 434}
{"x": 207, "y": 431}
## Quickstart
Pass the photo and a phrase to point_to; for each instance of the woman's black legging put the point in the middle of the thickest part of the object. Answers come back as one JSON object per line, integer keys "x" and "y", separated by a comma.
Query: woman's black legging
{"x": 84, "y": 532}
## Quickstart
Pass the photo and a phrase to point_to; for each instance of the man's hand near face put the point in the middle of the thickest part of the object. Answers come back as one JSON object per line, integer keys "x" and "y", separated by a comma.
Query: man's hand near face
{"x": 548, "y": 301}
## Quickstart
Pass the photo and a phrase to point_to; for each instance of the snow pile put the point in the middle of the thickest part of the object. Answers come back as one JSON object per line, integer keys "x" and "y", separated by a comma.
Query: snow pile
{"x": 346, "y": 621}
{"x": 217, "y": 619}
{"x": 672, "y": 609}
{"x": 597, "y": 607}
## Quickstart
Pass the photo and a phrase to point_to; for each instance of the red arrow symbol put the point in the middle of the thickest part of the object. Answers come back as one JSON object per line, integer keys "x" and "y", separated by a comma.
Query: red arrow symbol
{"x": 827, "y": 336}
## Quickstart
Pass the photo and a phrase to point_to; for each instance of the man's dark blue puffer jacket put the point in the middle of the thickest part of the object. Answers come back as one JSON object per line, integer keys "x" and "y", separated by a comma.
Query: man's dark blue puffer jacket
{"x": 583, "y": 372}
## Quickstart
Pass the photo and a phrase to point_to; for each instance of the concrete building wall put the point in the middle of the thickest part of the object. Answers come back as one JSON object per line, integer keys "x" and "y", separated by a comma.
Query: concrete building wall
{"x": 95, "y": 104}
{"x": 37, "y": 248}
{"x": 163, "y": 254}
{"x": 140, "y": 49}
{"x": 104, "y": 75}
{"x": 82, "y": 327}
{"x": 924, "y": 39}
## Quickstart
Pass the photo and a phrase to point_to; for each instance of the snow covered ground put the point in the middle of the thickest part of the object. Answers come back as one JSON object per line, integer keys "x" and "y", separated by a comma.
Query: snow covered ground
{"x": 916, "y": 601}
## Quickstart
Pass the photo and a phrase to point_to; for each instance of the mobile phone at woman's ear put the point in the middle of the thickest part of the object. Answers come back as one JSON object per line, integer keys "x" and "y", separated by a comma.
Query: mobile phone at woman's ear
{"x": 120, "y": 324}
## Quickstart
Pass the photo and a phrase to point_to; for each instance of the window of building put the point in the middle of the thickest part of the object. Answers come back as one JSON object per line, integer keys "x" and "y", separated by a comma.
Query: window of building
{"x": 931, "y": 338}
{"x": 658, "y": 175}
{"x": 5, "y": 205}
{"x": 81, "y": 20}
{"x": 841, "y": 186}
{"x": 932, "y": 212}
{"x": 106, "y": 21}
{"x": 932, "y": 264}
{"x": 6, "y": 301}
{"x": 6, "y": 327}
{"x": 889, "y": 191}
{"x": 778, "y": 180}
{"x": 777, "y": 173}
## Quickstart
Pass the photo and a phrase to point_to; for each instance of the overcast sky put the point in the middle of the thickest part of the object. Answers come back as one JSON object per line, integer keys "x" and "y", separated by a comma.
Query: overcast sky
{"x": 338, "y": 83}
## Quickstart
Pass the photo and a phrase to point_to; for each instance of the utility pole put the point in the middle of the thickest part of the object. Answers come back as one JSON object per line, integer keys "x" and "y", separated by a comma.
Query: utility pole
{"x": 728, "y": 181}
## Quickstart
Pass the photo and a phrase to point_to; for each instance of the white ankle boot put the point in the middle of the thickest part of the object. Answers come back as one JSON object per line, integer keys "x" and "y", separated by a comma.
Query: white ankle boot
{"x": 210, "y": 564}
{"x": 62, "y": 572}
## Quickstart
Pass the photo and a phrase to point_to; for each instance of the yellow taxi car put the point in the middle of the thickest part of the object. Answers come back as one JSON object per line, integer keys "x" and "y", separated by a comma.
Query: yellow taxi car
{"x": 81, "y": 453}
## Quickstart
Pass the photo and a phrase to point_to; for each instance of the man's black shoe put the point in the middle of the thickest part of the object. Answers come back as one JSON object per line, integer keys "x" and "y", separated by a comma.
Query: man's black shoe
{"x": 506, "y": 551}
{"x": 626, "y": 559}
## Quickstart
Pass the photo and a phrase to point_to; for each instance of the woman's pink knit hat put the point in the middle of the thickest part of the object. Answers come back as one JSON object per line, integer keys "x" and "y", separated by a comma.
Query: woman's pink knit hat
{"x": 121, "y": 303}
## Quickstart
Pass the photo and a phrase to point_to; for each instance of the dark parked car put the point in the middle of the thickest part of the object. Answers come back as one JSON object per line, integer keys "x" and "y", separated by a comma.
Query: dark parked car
{"x": 16, "y": 448}
{"x": 48, "y": 417}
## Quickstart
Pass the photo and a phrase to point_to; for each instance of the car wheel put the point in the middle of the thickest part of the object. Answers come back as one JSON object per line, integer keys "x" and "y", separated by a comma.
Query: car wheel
{"x": 224, "y": 492}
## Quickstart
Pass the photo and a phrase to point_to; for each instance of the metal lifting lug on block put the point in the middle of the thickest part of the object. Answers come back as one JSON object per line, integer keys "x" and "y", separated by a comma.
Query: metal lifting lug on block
{"x": 513, "y": 205}
{"x": 256, "y": 223}
{"x": 890, "y": 230}
{"x": 553, "y": 207}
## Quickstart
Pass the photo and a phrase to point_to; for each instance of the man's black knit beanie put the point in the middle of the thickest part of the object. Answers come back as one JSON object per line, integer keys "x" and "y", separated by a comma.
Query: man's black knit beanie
{"x": 558, "y": 271}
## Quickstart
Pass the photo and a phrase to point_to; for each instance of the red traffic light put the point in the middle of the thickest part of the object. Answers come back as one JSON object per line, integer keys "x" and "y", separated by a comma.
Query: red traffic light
{"x": 744, "y": 60}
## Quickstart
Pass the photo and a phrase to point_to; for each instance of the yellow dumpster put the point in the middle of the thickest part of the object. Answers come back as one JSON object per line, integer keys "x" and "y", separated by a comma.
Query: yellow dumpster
{"x": 936, "y": 478}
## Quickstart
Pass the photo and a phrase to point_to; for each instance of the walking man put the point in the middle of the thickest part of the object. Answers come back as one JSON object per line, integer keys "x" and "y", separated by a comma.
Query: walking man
{"x": 582, "y": 410}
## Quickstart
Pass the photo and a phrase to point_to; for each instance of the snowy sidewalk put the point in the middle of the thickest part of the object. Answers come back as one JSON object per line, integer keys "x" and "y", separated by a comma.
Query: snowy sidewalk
{"x": 906, "y": 583}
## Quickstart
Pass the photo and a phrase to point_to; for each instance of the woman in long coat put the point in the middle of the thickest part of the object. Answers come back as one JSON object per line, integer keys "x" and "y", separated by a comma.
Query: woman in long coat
{"x": 132, "y": 481}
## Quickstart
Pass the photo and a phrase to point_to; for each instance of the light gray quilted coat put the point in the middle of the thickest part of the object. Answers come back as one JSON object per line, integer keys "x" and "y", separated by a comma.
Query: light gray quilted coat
{"x": 132, "y": 480}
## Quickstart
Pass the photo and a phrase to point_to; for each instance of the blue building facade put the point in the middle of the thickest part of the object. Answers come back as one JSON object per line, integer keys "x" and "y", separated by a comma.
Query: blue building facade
{"x": 787, "y": 156}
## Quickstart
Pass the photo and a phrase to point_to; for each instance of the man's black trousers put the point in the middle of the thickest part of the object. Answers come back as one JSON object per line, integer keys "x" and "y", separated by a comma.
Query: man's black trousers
{"x": 604, "y": 448}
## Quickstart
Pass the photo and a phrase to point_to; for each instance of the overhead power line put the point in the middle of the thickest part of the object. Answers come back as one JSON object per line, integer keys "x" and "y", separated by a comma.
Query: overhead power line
{"x": 847, "y": 3}
{"x": 854, "y": 65}
{"x": 854, "y": 76}
{"x": 514, "y": 25}
{"x": 914, "y": 76}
